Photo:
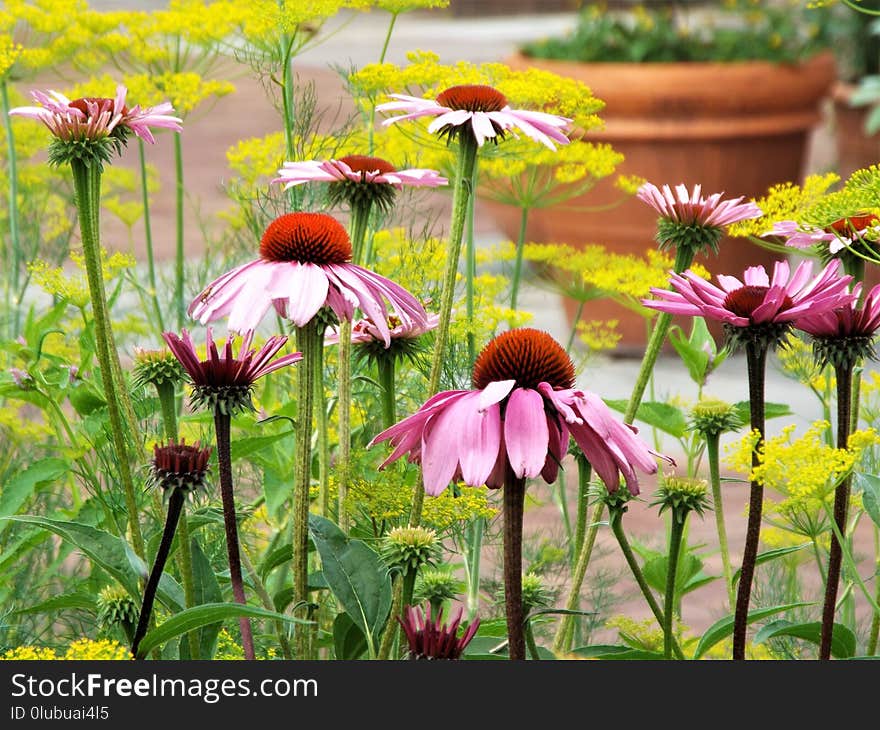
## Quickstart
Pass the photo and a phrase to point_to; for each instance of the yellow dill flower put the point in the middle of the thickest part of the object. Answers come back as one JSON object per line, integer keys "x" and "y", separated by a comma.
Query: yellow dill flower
{"x": 785, "y": 201}
{"x": 21, "y": 426}
{"x": 629, "y": 184}
{"x": 74, "y": 287}
{"x": 268, "y": 20}
{"x": 774, "y": 537}
{"x": 9, "y": 53}
{"x": 644, "y": 634}
{"x": 404, "y": 6}
{"x": 598, "y": 335}
{"x": 96, "y": 650}
{"x": 798, "y": 362}
{"x": 29, "y": 653}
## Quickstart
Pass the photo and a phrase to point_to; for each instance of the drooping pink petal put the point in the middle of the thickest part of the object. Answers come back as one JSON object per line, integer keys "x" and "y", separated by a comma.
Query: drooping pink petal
{"x": 525, "y": 432}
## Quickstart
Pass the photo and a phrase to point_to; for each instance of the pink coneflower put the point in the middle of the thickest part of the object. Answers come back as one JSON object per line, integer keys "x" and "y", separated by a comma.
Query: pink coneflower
{"x": 518, "y": 416}
{"x": 304, "y": 265}
{"x": 838, "y": 236}
{"x": 223, "y": 379}
{"x": 689, "y": 218}
{"x": 93, "y": 118}
{"x": 849, "y": 321}
{"x": 179, "y": 465}
{"x": 756, "y": 301}
{"x": 365, "y": 331}
{"x": 430, "y": 638}
{"x": 481, "y": 110}
{"x": 358, "y": 169}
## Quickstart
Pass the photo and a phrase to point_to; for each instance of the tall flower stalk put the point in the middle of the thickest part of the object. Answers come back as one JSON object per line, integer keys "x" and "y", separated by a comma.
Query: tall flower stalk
{"x": 757, "y": 314}
{"x": 223, "y": 384}
{"x": 842, "y": 339}
{"x": 87, "y": 133}
{"x": 514, "y": 425}
{"x": 178, "y": 469}
{"x": 12, "y": 173}
{"x": 689, "y": 224}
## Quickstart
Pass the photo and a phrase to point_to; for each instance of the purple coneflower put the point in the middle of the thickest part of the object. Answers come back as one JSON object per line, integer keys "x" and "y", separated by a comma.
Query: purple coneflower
{"x": 480, "y": 109}
{"x": 430, "y": 638}
{"x": 93, "y": 118}
{"x": 224, "y": 382}
{"x": 840, "y": 235}
{"x": 515, "y": 425}
{"x": 304, "y": 265}
{"x": 757, "y": 312}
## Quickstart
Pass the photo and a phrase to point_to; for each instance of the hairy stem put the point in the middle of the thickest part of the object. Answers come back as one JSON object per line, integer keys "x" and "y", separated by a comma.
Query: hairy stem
{"x": 391, "y": 626}
{"x": 518, "y": 262}
{"x": 514, "y": 504}
{"x": 15, "y": 262}
{"x": 712, "y": 440}
{"x": 184, "y": 553}
{"x": 675, "y": 534}
{"x": 178, "y": 228}
{"x": 222, "y": 427}
{"x": 475, "y": 530}
{"x": 756, "y": 359}
{"x": 148, "y": 236}
{"x": 385, "y": 366}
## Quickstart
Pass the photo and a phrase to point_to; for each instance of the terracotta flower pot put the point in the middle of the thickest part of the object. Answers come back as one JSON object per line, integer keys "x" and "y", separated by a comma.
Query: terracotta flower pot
{"x": 855, "y": 149}
{"x": 732, "y": 127}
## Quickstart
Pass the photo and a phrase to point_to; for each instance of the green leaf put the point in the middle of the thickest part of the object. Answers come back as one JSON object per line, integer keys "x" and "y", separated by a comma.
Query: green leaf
{"x": 349, "y": 641}
{"x": 688, "y": 577}
{"x": 60, "y": 603}
{"x": 199, "y": 616}
{"x": 695, "y": 359}
{"x": 662, "y": 416}
{"x": 770, "y": 555}
{"x": 771, "y": 410}
{"x": 355, "y": 573}
{"x": 248, "y": 446}
{"x": 109, "y": 552}
{"x": 869, "y": 485}
{"x": 283, "y": 598}
{"x": 843, "y": 640}
{"x": 279, "y": 556}
{"x": 15, "y": 492}
{"x": 723, "y": 628}
{"x": 615, "y": 652}
{"x": 206, "y": 589}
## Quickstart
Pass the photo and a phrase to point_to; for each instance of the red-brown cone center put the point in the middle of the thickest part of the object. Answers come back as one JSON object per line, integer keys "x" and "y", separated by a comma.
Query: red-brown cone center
{"x": 313, "y": 238}
{"x": 181, "y": 458}
{"x": 473, "y": 98}
{"x": 527, "y": 356}
{"x": 846, "y": 226}
{"x": 743, "y": 302}
{"x": 101, "y": 102}
{"x": 363, "y": 163}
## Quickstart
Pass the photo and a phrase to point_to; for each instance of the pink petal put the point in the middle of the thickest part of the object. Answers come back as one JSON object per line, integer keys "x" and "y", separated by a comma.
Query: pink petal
{"x": 525, "y": 432}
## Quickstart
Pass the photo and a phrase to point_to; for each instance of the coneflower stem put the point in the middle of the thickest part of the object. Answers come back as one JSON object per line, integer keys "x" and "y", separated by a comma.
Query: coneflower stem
{"x": 581, "y": 554}
{"x": 616, "y": 520}
{"x": 222, "y": 428}
{"x": 385, "y": 367}
{"x": 756, "y": 360}
{"x": 472, "y": 565}
{"x": 308, "y": 338}
{"x": 343, "y": 466}
{"x": 175, "y": 507}
{"x": 87, "y": 182}
{"x": 530, "y": 642}
{"x": 518, "y": 262}
{"x": 320, "y": 408}
{"x": 186, "y": 575}
{"x": 267, "y": 602}
{"x": 470, "y": 270}
{"x": 168, "y": 405}
{"x": 712, "y": 442}
{"x": 148, "y": 235}
{"x": 675, "y": 534}
{"x": 178, "y": 225}
{"x": 874, "y": 632}
{"x": 391, "y": 626}
{"x": 461, "y": 193}
{"x": 14, "y": 243}
{"x": 844, "y": 375}
{"x": 684, "y": 256}
{"x": 514, "y": 493}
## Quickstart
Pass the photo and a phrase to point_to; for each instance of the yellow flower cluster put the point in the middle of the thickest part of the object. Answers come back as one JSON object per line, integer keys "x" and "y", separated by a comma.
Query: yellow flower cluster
{"x": 797, "y": 361}
{"x": 79, "y": 650}
{"x": 266, "y": 21}
{"x": 404, "y": 6}
{"x": 9, "y": 53}
{"x": 229, "y": 649}
{"x": 597, "y": 335}
{"x": 73, "y": 287}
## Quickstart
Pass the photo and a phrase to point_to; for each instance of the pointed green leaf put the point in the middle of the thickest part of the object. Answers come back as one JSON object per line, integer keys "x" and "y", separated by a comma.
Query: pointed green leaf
{"x": 198, "y": 616}
{"x": 206, "y": 589}
{"x": 662, "y": 416}
{"x": 60, "y": 603}
{"x": 615, "y": 652}
{"x": 348, "y": 640}
{"x": 770, "y": 555}
{"x": 843, "y": 640}
{"x": 723, "y": 628}
{"x": 771, "y": 410}
{"x": 869, "y": 486}
{"x": 17, "y": 490}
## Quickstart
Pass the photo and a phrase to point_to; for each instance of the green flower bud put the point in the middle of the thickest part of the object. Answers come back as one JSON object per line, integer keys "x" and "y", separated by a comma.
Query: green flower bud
{"x": 682, "y": 495}
{"x": 408, "y": 548}
{"x": 712, "y": 416}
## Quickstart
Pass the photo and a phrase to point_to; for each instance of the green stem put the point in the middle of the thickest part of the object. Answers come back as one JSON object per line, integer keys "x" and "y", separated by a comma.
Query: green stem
{"x": 517, "y": 266}
{"x": 675, "y": 533}
{"x": 371, "y": 124}
{"x": 320, "y": 408}
{"x": 391, "y": 625}
{"x": 175, "y": 508}
{"x": 472, "y": 563}
{"x": 308, "y": 338}
{"x": 514, "y": 503}
{"x": 844, "y": 375}
{"x": 14, "y": 242}
{"x": 530, "y": 642}
{"x": 266, "y": 600}
{"x": 467, "y": 160}
{"x": 385, "y": 367}
{"x": 756, "y": 359}
{"x": 471, "y": 271}
{"x": 874, "y": 632}
{"x": 148, "y": 235}
{"x": 222, "y": 428}
{"x": 712, "y": 440}
{"x": 617, "y": 529}
{"x": 184, "y": 553}
{"x": 87, "y": 181}
{"x": 574, "y": 325}
{"x": 360, "y": 217}
{"x": 168, "y": 404}
{"x": 585, "y": 473}
{"x": 565, "y": 632}
{"x": 684, "y": 256}
{"x": 178, "y": 220}
{"x": 850, "y": 563}
{"x": 343, "y": 466}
